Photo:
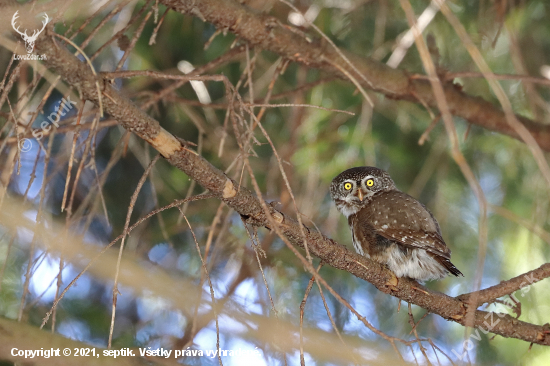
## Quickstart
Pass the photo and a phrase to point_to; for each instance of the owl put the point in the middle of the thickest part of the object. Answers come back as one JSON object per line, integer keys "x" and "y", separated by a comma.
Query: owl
{"x": 390, "y": 226}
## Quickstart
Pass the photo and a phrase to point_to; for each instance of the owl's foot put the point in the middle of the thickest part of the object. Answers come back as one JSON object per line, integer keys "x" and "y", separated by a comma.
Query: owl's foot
{"x": 392, "y": 281}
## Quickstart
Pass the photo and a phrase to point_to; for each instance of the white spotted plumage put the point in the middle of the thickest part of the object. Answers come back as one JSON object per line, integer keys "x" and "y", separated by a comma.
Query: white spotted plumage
{"x": 390, "y": 226}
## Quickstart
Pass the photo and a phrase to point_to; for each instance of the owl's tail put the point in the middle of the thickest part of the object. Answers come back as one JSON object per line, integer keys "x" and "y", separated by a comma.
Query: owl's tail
{"x": 450, "y": 267}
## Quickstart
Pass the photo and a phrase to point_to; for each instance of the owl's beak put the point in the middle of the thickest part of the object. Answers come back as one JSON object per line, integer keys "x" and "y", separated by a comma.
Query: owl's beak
{"x": 360, "y": 194}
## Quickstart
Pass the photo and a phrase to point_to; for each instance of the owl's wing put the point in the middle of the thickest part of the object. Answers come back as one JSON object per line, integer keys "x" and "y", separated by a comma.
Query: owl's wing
{"x": 399, "y": 217}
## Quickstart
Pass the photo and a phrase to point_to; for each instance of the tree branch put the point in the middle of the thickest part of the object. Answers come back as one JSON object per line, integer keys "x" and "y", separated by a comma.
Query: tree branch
{"x": 268, "y": 33}
{"x": 490, "y": 294}
{"x": 78, "y": 74}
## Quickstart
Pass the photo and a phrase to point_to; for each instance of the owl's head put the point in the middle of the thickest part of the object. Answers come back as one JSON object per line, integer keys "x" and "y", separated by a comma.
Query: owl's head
{"x": 352, "y": 189}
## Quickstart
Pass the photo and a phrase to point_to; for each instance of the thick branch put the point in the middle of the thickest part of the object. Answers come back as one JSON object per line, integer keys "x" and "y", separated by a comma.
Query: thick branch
{"x": 268, "y": 33}
{"x": 245, "y": 203}
{"x": 490, "y": 294}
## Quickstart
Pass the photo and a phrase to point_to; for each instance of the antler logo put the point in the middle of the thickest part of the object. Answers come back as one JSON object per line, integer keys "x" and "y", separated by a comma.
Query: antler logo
{"x": 29, "y": 40}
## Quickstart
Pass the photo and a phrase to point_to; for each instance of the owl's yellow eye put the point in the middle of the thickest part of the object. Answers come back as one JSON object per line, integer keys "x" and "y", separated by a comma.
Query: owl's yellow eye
{"x": 370, "y": 182}
{"x": 347, "y": 186}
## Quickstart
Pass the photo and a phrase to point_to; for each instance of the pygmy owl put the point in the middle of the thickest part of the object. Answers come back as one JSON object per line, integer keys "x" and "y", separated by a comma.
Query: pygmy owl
{"x": 390, "y": 226}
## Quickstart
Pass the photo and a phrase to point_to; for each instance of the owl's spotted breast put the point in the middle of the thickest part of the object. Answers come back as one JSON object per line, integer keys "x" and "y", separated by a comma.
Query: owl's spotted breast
{"x": 390, "y": 226}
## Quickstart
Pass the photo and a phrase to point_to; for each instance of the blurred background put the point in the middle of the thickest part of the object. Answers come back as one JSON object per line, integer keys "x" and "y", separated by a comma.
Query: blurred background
{"x": 77, "y": 183}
